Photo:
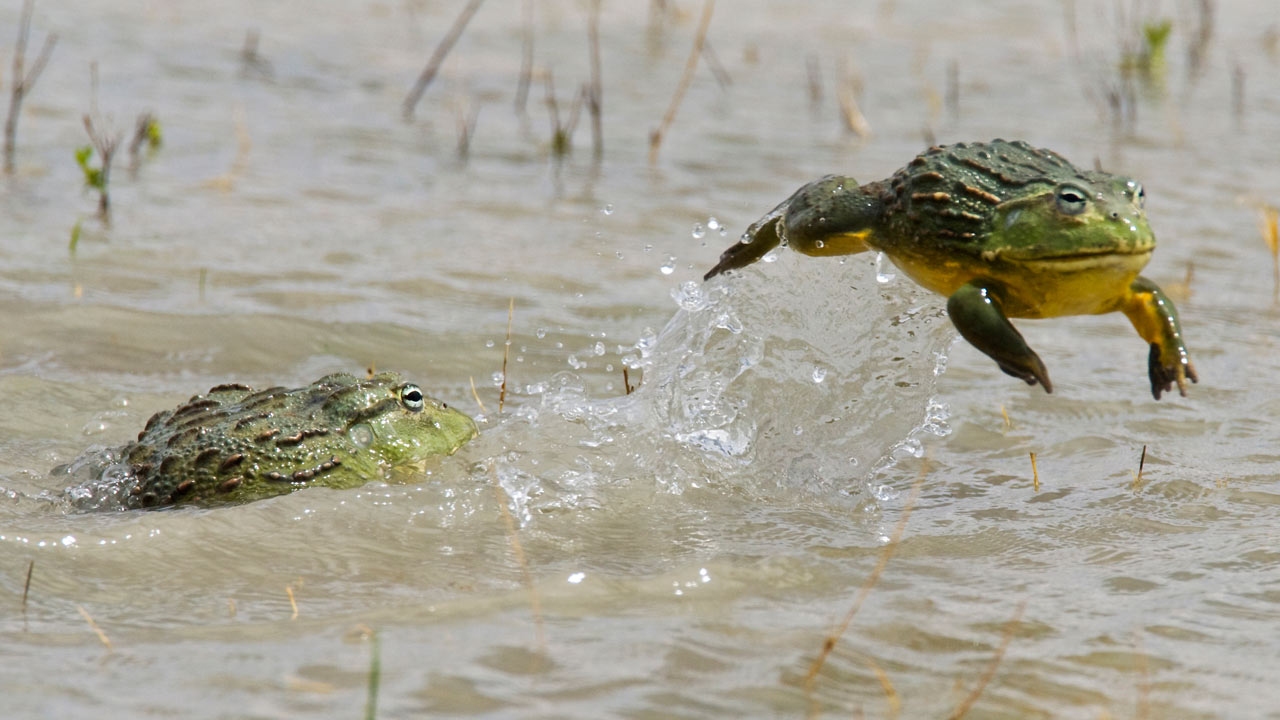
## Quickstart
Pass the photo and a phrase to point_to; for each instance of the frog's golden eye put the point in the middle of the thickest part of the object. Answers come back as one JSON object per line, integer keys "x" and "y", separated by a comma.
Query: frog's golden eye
{"x": 411, "y": 398}
{"x": 1072, "y": 200}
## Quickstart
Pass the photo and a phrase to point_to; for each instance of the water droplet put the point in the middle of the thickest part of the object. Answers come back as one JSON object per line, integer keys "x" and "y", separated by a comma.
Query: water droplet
{"x": 770, "y": 257}
{"x": 647, "y": 248}
{"x": 598, "y": 349}
{"x": 883, "y": 276}
{"x": 488, "y": 343}
{"x": 669, "y": 266}
{"x": 819, "y": 244}
{"x": 607, "y": 209}
{"x": 819, "y": 374}
{"x": 577, "y": 577}
{"x": 713, "y": 223}
{"x": 496, "y": 378}
{"x": 618, "y": 253}
{"x": 541, "y": 333}
{"x": 575, "y": 363}
{"x": 698, "y": 231}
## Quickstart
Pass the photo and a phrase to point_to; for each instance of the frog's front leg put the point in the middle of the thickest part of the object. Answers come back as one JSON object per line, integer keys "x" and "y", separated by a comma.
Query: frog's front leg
{"x": 1156, "y": 320}
{"x": 975, "y": 311}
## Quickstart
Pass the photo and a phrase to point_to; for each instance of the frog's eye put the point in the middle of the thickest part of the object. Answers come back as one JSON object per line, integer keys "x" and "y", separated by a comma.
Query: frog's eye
{"x": 411, "y": 398}
{"x": 1072, "y": 200}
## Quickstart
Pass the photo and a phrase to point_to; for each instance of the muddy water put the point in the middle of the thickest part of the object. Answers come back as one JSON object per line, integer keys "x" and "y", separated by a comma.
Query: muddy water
{"x": 692, "y": 543}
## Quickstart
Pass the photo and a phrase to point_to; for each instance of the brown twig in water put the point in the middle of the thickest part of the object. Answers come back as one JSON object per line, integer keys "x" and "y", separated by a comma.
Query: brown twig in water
{"x": 476, "y": 395}
{"x": 226, "y": 181}
{"x": 105, "y": 143}
{"x": 713, "y": 64}
{"x": 506, "y": 350}
{"x": 813, "y": 71}
{"x": 1271, "y": 236}
{"x": 1143, "y": 711}
{"x": 595, "y": 90}
{"x": 990, "y": 672}
{"x": 1137, "y": 479}
{"x": 535, "y": 603}
{"x": 890, "y": 694}
{"x": 1035, "y": 475}
{"x": 94, "y": 626}
{"x": 655, "y": 137}
{"x": 846, "y": 91}
{"x": 829, "y": 644}
{"x": 26, "y": 587}
{"x": 23, "y": 81}
{"x": 626, "y": 381}
{"x": 953, "y": 89}
{"x": 467, "y": 117}
{"x": 526, "y": 60}
{"x": 437, "y": 57}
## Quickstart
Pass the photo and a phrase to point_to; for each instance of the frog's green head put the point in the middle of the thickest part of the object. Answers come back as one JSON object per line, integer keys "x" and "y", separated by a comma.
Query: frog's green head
{"x": 1089, "y": 219}
{"x": 396, "y": 421}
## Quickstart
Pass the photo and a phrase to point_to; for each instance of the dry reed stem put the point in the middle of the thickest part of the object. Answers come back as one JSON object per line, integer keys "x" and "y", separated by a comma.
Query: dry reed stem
{"x": 526, "y": 60}
{"x": 442, "y": 50}
{"x": 846, "y": 91}
{"x": 1143, "y": 711}
{"x": 1008, "y": 424}
{"x": 713, "y": 64}
{"x": 655, "y": 137}
{"x": 813, "y": 71}
{"x": 293, "y": 603}
{"x": 829, "y": 644}
{"x": 26, "y": 586}
{"x": 23, "y": 81}
{"x": 595, "y": 93}
{"x": 94, "y": 626}
{"x": 890, "y": 694}
{"x": 535, "y": 603}
{"x": 1137, "y": 479}
{"x": 227, "y": 180}
{"x": 506, "y": 350}
{"x": 476, "y": 395}
{"x": 1035, "y": 475}
{"x": 1270, "y": 227}
{"x": 990, "y": 672}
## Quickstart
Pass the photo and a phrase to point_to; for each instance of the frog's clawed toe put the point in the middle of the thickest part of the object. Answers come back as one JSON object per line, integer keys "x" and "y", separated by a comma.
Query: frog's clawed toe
{"x": 1034, "y": 372}
{"x": 1164, "y": 377}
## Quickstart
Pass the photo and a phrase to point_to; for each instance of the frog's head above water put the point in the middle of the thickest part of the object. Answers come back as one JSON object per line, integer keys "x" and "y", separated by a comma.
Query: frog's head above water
{"x": 1090, "y": 219}
{"x": 393, "y": 419}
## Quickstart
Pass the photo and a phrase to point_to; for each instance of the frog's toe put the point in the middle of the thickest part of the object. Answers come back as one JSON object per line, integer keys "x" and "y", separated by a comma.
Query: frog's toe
{"x": 1165, "y": 376}
{"x": 1031, "y": 372}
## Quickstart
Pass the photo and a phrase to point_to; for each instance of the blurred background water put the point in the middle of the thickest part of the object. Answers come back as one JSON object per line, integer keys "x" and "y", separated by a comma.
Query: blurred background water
{"x": 691, "y": 544}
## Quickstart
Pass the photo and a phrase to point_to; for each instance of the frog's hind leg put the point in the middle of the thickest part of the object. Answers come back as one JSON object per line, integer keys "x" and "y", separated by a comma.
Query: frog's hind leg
{"x": 829, "y": 216}
{"x": 832, "y": 216}
{"x": 756, "y": 242}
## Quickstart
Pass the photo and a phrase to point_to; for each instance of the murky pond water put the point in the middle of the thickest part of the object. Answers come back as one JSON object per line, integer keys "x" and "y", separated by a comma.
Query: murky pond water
{"x": 690, "y": 545}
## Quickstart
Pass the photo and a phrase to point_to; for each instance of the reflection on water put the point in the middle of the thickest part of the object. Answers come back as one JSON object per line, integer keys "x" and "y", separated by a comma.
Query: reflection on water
{"x": 690, "y": 543}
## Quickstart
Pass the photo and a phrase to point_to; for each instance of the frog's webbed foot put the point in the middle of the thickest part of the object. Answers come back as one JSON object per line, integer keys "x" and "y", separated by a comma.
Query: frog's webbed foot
{"x": 975, "y": 311}
{"x": 829, "y": 216}
{"x": 1156, "y": 320}
{"x": 756, "y": 242}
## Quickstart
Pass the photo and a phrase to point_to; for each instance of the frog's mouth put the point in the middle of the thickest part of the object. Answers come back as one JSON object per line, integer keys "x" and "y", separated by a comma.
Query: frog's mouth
{"x": 1108, "y": 259}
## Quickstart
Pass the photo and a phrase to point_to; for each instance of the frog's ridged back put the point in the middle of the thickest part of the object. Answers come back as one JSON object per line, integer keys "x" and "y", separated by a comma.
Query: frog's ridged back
{"x": 947, "y": 195}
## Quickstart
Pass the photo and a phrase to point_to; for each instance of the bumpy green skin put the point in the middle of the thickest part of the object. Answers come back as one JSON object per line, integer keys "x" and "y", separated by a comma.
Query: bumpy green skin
{"x": 233, "y": 444}
{"x": 1003, "y": 230}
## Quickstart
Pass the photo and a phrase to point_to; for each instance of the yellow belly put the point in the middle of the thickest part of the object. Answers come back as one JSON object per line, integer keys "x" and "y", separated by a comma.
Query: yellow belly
{"x": 1082, "y": 285}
